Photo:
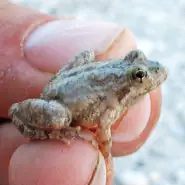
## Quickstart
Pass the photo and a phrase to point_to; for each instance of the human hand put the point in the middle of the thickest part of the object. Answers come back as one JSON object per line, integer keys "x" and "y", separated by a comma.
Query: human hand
{"x": 30, "y": 51}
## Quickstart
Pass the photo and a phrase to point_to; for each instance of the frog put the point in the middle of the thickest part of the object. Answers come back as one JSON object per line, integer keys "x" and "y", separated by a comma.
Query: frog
{"x": 87, "y": 95}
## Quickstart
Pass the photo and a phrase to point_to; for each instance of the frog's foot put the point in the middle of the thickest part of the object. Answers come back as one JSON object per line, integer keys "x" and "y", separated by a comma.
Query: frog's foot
{"x": 88, "y": 136}
{"x": 109, "y": 169}
{"x": 69, "y": 133}
{"x": 104, "y": 138}
{"x": 65, "y": 134}
{"x": 105, "y": 148}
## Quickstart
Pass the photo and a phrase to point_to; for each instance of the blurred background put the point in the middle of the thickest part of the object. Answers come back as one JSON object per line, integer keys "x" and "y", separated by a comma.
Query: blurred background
{"x": 159, "y": 27}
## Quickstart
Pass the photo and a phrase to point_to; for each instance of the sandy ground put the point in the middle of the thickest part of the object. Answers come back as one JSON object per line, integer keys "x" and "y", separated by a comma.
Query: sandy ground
{"x": 160, "y": 31}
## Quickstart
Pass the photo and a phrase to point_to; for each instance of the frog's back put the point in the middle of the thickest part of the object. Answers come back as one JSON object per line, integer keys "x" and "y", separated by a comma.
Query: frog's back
{"x": 87, "y": 90}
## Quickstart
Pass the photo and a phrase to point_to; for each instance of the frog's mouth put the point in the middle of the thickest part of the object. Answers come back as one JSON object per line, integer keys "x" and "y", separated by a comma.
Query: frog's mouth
{"x": 160, "y": 79}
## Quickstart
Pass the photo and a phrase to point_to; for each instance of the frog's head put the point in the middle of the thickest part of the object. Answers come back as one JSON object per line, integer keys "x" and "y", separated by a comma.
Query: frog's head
{"x": 143, "y": 76}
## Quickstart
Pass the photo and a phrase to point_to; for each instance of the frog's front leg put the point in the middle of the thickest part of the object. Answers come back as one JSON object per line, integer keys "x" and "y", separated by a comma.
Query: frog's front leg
{"x": 33, "y": 117}
{"x": 104, "y": 138}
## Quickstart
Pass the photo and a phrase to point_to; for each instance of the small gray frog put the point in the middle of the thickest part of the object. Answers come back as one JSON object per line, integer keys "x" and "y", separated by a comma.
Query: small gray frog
{"x": 88, "y": 94}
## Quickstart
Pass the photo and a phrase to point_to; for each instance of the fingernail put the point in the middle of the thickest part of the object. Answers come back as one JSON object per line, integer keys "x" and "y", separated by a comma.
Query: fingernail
{"x": 134, "y": 122}
{"x": 51, "y": 45}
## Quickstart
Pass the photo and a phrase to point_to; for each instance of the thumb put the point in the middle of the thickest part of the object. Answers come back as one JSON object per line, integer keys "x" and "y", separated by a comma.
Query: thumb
{"x": 34, "y": 45}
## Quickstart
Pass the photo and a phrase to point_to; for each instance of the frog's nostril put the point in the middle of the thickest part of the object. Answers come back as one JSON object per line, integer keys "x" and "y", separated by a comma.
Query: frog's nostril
{"x": 157, "y": 69}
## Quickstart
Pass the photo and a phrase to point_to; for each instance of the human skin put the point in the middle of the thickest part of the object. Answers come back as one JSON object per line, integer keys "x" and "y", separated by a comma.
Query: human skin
{"x": 27, "y": 62}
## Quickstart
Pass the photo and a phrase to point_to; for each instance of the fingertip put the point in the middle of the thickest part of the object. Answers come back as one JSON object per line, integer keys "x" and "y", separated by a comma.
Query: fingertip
{"x": 51, "y": 162}
{"x": 125, "y": 43}
{"x": 10, "y": 139}
{"x": 125, "y": 148}
{"x": 132, "y": 124}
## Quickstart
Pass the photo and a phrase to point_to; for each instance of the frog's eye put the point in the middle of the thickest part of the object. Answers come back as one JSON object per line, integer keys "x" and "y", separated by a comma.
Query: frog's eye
{"x": 139, "y": 75}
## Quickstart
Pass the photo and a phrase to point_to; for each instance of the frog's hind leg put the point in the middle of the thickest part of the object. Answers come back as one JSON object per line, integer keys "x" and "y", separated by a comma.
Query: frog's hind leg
{"x": 41, "y": 119}
{"x": 38, "y": 114}
{"x": 65, "y": 134}
{"x": 85, "y": 57}
{"x": 82, "y": 58}
{"x": 71, "y": 132}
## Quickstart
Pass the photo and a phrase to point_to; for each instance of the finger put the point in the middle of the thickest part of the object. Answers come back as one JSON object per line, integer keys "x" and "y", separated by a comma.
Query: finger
{"x": 119, "y": 46}
{"x": 25, "y": 77}
{"x": 36, "y": 45}
{"x": 37, "y": 62}
{"x": 15, "y": 21}
{"x": 27, "y": 155}
{"x": 51, "y": 162}
{"x": 133, "y": 130}
{"x": 10, "y": 139}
